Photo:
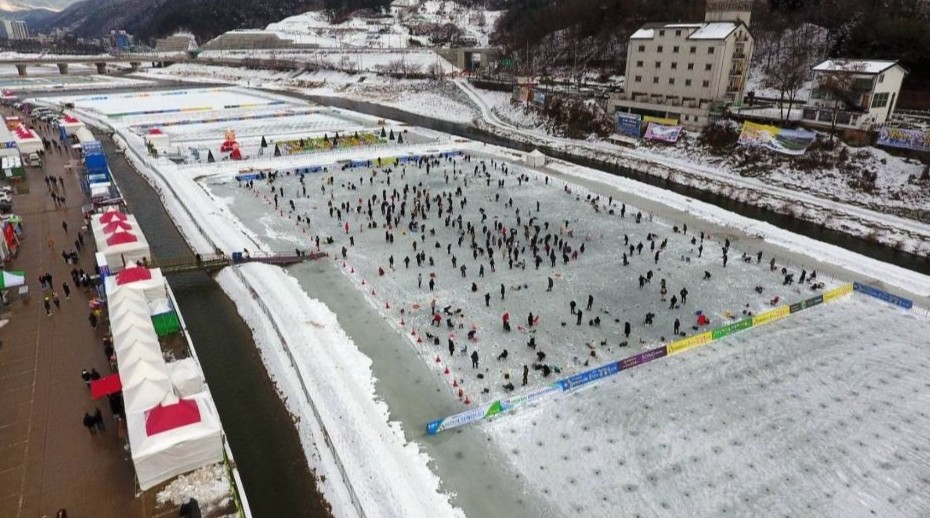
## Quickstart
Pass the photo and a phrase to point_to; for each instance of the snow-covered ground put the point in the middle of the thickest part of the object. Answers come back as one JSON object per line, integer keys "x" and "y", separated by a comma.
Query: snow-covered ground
{"x": 563, "y": 451}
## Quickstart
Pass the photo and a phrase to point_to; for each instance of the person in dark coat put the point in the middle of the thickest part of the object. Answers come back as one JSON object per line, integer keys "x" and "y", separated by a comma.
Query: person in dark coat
{"x": 626, "y": 329}
{"x": 451, "y": 347}
{"x": 98, "y": 420}
{"x": 474, "y": 359}
{"x": 526, "y": 373}
{"x": 674, "y": 301}
{"x": 684, "y": 295}
{"x": 89, "y": 423}
{"x": 677, "y": 326}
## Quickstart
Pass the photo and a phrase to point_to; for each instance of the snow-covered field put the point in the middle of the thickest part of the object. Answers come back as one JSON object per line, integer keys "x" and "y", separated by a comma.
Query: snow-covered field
{"x": 819, "y": 414}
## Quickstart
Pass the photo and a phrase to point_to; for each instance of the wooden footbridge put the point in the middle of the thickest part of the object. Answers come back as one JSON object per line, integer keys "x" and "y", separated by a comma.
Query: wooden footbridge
{"x": 214, "y": 262}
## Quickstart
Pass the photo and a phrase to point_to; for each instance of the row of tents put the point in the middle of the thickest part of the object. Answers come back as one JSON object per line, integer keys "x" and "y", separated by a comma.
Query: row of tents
{"x": 172, "y": 422}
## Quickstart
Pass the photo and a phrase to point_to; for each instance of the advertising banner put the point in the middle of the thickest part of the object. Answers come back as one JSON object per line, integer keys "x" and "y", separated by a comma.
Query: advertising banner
{"x": 643, "y": 357}
{"x": 883, "y": 295}
{"x": 771, "y": 315}
{"x": 729, "y": 329}
{"x": 655, "y": 131}
{"x": 689, "y": 343}
{"x": 660, "y": 120}
{"x": 588, "y": 376}
{"x": 786, "y": 141}
{"x": 918, "y": 140}
{"x": 837, "y": 292}
{"x": 629, "y": 124}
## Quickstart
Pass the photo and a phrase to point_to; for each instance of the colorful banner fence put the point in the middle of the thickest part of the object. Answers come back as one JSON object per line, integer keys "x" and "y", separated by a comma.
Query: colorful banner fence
{"x": 500, "y": 406}
{"x": 656, "y": 131}
{"x": 629, "y": 124}
{"x": 786, "y": 141}
{"x": 918, "y": 140}
{"x": 883, "y": 295}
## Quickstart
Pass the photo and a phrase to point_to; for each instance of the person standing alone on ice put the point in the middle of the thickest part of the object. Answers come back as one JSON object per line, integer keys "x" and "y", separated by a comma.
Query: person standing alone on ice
{"x": 474, "y": 359}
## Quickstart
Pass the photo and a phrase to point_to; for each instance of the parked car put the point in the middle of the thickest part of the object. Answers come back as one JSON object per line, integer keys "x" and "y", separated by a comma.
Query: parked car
{"x": 34, "y": 160}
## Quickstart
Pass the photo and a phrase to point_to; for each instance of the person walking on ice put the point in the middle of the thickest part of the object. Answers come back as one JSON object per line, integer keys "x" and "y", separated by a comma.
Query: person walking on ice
{"x": 474, "y": 359}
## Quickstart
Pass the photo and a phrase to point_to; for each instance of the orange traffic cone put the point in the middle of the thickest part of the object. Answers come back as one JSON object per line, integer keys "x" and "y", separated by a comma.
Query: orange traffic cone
{"x": 446, "y": 371}
{"x": 438, "y": 359}
{"x": 419, "y": 339}
{"x": 467, "y": 401}
{"x": 455, "y": 383}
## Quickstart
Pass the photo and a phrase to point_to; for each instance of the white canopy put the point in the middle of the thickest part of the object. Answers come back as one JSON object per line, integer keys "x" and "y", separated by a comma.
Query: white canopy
{"x": 535, "y": 158}
{"x": 146, "y": 386}
{"x": 118, "y": 256}
{"x": 186, "y": 377}
{"x": 166, "y": 454}
{"x": 83, "y": 135}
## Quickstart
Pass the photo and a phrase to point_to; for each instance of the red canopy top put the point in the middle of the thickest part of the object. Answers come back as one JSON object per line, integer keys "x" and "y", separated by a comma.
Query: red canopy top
{"x": 164, "y": 418}
{"x": 155, "y": 131}
{"x": 136, "y": 273}
{"x": 116, "y": 226}
{"x": 112, "y": 215}
{"x": 105, "y": 386}
{"x": 121, "y": 238}
{"x": 70, "y": 119}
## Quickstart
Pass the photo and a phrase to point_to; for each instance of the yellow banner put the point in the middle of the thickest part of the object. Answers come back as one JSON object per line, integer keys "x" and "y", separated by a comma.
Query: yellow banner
{"x": 659, "y": 120}
{"x": 837, "y": 292}
{"x": 771, "y": 315}
{"x": 688, "y": 343}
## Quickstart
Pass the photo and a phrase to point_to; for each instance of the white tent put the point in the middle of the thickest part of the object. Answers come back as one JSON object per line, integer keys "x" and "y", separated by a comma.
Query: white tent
{"x": 535, "y": 158}
{"x": 162, "y": 447}
{"x": 84, "y": 135}
{"x": 27, "y": 141}
{"x": 70, "y": 123}
{"x": 145, "y": 384}
{"x": 123, "y": 249}
{"x": 133, "y": 334}
{"x": 152, "y": 289}
{"x": 136, "y": 351}
{"x": 186, "y": 377}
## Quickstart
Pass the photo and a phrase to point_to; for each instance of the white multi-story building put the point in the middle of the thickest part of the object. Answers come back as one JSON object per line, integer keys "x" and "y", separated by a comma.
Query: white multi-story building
{"x": 859, "y": 93}
{"x": 688, "y": 71}
{"x": 14, "y": 29}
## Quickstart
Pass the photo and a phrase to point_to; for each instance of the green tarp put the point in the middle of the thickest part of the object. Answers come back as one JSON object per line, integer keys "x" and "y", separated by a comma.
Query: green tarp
{"x": 166, "y": 323}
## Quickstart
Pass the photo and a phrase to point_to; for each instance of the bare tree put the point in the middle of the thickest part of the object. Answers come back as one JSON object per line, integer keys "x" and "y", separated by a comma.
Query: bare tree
{"x": 786, "y": 59}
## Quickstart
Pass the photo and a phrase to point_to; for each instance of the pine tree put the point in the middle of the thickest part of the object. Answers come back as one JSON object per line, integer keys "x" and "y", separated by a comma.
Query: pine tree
{"x": 391, "y": 135}
{"x": 277, "y": 150}
{"x": 210, "y": 158}
{"x": 383, "y": 133}
{"x": 264, "y": 142}
{"x": 400, "y": 138}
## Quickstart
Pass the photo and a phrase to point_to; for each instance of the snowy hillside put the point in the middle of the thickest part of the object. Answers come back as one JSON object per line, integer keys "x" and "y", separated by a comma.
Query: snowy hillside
{"x": 426, "y": 23}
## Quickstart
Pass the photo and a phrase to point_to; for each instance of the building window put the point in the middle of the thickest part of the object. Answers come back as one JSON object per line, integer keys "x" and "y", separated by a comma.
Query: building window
{"x": 661, "y": 33}
{"x": 710, "y": 50}
{"x": 687, "y": 82}
{"x": 880, "y": 100}
{"x": 642, "y": 48}
{"x": 677, "y": 33}
{"x": 674, "y": 66}
{"x": 639, "y": 79}
{"x": 655, "y": 80}
{"x": 671, "y": 80}
{"x": 658, "y": 64}
{"x": 690, "y": 66}
{"x": 881, "y": 78}
{"x": 707, "y": 67}
{"x": 706, "y": 83}
{"x": 693, "y": 50}
{"x": 660, "y": 48}
{"x": 675, "y": 49}
{"x": 639, "y": 64}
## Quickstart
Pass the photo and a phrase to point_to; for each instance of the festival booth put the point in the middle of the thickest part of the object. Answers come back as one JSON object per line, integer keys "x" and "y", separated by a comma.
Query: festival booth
{"x": 158, "y": 139}
{"x": 174, "y": 437}
{"x": 186, "y": 377}
{"x": 535, "y": 158}
{"x": 102, "y": 231}
{"x": 12, "y": 165}
{"x": 122, "y": 249}
{"x": 70, "y": 124}
{"x": 151, "y": 284}
{"x": 145, "y": 384}
{"x": 84, "y": 135}
{"x": 27, "y": 141}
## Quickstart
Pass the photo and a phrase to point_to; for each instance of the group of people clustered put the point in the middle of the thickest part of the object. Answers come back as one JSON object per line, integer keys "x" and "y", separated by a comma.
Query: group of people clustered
{"x": 525, "y": 241}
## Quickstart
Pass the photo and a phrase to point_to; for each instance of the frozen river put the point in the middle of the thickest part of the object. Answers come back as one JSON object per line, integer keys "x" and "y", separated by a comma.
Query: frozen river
{"x": 716, "y": 431}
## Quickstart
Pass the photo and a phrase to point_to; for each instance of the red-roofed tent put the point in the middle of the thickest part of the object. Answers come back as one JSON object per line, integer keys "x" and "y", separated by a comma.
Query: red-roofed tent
{"x": 116, "y": 226}
{"x": 168, "y": 417}
{"x": 121, "y": 238}
{"x": 105, "y": 386}
{"x": 134, "y": 274}
{"x": 112, "y": 215}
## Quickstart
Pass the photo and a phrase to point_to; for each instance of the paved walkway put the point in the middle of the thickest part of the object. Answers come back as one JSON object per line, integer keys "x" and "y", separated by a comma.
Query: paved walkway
{"x": 48, "y": 460}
